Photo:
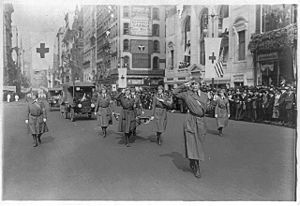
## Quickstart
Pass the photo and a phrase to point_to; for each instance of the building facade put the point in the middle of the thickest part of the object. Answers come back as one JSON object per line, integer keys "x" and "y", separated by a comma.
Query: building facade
{"x": 235, "y": 24}
{"x": 132, "y": 38}
{"x": 89, "y": 38}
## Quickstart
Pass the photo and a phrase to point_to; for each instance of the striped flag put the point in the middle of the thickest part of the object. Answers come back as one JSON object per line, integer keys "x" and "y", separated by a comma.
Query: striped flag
{"x": 219, "y": 65}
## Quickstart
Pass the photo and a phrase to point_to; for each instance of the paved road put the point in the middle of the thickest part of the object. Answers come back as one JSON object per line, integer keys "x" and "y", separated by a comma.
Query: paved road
{"x": 250, "y": 162}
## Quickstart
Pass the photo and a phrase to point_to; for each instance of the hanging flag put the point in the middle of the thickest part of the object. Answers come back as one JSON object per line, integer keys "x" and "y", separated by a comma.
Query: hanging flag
{"x": 212, "y": 51}
{"x": 219, "y": 64}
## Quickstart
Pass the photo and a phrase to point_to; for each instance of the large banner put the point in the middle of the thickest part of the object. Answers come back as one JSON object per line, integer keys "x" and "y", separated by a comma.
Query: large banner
{"x": 141, "y": 23}
{"x": 212, "y": 50}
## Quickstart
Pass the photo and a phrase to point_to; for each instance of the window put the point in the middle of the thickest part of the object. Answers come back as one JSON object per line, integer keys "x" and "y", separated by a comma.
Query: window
{"x": 155, "y": 14}
{"x": 155, "y": 63}
{"x": 156, "y": 46}
{"x": 125, "y": 11}
{"x": 242, "y": 45}
{"x": 202, "y": 52}
{"x": 126, "y": 45}
{"x": 172, "y": 59}
{"x": 203, "y": 34}
{"x": 126, "y": 28}
{"x": 155, "y": 30}
{"x": 126, "y": 62}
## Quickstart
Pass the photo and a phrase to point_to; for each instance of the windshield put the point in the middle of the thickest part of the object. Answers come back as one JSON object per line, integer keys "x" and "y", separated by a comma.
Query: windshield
{"x": 83, "y": 94}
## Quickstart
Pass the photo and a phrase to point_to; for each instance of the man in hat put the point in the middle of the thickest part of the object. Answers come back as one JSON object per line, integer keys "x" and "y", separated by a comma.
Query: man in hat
{"x": 103, "y": 108}
{"x": 289, "y": 106}
{"x": 197, "y": 103}
{"x": 127, "y": 119}
{"x": 36, "y": 118}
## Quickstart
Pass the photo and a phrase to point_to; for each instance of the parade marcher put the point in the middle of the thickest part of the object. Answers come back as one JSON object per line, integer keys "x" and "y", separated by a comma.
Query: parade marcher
{"x": 160, "y": 104}
{"x": 138, "y": 108}
{"x": 195, "y": 126}
{"x": 36, "y": 118}
{"x": 17, "y": 98}
{"x": 222, "y": 111}
{"x": 238, "y": 104}
{"x": 127, "y": 119}
{"x": 104, "y": 110}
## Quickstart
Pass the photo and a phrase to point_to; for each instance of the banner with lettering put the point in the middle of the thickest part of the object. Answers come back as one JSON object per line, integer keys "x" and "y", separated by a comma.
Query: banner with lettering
{"x": 212, "y": 50}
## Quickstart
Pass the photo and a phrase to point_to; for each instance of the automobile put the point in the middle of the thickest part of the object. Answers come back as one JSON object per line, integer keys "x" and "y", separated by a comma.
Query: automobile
{"x": 53, "y": 97}
{"x": 77, "y": 100}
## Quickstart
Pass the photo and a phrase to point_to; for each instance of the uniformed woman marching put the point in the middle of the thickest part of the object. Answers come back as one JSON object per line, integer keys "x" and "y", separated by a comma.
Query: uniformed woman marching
{"x": 36, "y": 118}
{"x": 104, "y": 110}
{"x": 222, "y": 111}
{"x": 160, "y": 104}
{"x": 194, "y": 126}
{"x": 127, "y": 119}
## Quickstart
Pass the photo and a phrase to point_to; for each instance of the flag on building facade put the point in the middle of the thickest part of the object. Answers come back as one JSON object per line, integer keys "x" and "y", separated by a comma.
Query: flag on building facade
{"x": 220, "y": 63}
{"x": 212, "y": 51}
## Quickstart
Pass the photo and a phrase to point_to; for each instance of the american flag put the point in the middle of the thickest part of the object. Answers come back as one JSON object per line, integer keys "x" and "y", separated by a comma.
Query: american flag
{"x": 219, "y": 65}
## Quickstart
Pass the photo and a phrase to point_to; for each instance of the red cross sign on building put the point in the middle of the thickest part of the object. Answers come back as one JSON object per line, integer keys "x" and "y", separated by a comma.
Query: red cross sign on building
{"x": 42, "y": 50}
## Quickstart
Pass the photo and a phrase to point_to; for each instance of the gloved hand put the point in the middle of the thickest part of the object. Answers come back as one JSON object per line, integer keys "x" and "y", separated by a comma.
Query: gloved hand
{"x": 152, "y": 118}
{"x": 216, "y": 116}
{"x": 44, "y": 119}
{"x": 26, "y": 121}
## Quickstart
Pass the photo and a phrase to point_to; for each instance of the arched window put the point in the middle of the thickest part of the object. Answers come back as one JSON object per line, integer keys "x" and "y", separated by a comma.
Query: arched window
{"x": 203, "y": 34}
{"x": 155, "y": 15}
{"x": 155, "y": 29}
{"x": 156, "y": 46}
{"x": 126, "y": 62}
{"x": 155, "y": 63}
{"x": 126, "y": 45}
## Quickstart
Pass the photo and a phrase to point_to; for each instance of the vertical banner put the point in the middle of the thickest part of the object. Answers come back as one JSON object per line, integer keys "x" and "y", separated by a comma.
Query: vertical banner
{"x": 122, "y": 81}
{"x": 212, "y": 49}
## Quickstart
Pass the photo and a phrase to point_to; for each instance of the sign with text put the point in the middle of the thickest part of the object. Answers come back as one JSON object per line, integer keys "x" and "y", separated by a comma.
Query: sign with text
{"x": 141, "y": 27}
{"x": 141, "y": 12}
{"x": 122, "y": 81}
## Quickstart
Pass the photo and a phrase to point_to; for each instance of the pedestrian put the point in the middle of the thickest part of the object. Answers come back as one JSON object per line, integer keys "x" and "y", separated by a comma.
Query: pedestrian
{"x": 36, "y": 118}
{"x": 8, "y": 97}
{"x": 127, "y": 119}
{"x": 275, "y": 114}
{"x": 194, "y": 126}
{"x": 17, "y": 98}
{"x": 222, "y": 111}
{"x": 161, "y": 102}
{"x": 103, "y": 109}
{"x": 289, "y": 106}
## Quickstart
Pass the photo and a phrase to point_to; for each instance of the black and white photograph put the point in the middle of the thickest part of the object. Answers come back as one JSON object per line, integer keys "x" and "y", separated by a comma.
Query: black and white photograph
{"x": 133, "y": 102}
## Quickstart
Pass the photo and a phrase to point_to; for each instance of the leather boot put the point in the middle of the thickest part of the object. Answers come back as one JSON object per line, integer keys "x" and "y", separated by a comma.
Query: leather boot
{"x": 39, "y": 138}
{"x": 220, "y": 131}
{"x": 197, "y": 172}
{"x": 104, "y": 132}
{"x": 159, "y": 142}
{"x": 127, "y": 140}
{"x": 35, "y": 141}
{"x": 192, "y": 165}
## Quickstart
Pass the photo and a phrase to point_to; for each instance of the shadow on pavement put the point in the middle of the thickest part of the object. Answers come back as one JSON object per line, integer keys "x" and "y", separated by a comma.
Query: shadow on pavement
{"x": 178, "y": 160}
{"x": 47, "y": 139}
{"x": 212, "y": 131}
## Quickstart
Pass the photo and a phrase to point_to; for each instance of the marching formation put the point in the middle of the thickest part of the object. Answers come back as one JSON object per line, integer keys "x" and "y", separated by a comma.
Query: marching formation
{"x": 126, "y": 106}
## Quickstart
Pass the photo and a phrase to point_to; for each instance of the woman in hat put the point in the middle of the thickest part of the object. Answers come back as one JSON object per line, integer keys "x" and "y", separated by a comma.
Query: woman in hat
{"x": 160, "y": 104}
{"x": 127, "y": 121}
{"x": 103, "y": 108}
{"x": 198, "y": 103}
{"x": 138, "y": 109}
{"x": 36, "y": 118}
{"x": 222, "y": 111}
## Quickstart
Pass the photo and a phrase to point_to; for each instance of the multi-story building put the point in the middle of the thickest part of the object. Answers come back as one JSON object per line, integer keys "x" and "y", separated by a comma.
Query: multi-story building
{"x": 132, "y": 37}
{"x": 187, "y": 28}
{"x": 89, "y": 38}
{"x": 8, "y": 66}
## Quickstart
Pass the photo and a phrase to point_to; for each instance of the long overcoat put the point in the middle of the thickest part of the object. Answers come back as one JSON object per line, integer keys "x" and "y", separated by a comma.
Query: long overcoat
{"x": 195, "y": 124}
{"x": 127, "y": 119}
{"x": 159, "y": 111}
{"x": 104, "y": 110}
{"x": 222, "y": 110}
{"x": 36, "y": 112}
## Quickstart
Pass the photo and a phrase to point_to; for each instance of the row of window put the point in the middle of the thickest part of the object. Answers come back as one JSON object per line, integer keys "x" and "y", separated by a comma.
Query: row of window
{"x": 155, "y": 13}
{"x": 155, "y": 29}
{"x": 155, "y": 45}
{"x": 126, "y": 62}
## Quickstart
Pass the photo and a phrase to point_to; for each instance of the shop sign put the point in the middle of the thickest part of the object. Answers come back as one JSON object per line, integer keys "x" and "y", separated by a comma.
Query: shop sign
{"x": 238, "y": 78}
{"x": 268, "y": 57}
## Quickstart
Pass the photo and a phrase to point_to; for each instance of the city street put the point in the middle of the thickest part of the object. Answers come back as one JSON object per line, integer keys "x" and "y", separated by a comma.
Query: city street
{"x": 250, "y": 162}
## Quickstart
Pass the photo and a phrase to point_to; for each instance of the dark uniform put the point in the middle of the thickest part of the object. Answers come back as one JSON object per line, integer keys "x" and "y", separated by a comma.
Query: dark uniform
{"x": 104, "y": 111}
{"x": 194, "y": 125}
{"x": 160, "y": 104}
{"x": 36, "y": 113}
{"x": 127, "y": 119}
